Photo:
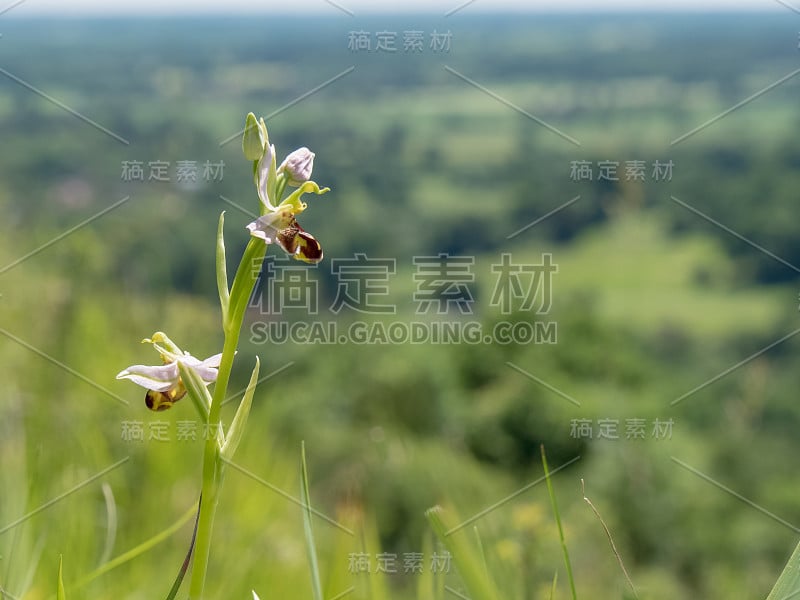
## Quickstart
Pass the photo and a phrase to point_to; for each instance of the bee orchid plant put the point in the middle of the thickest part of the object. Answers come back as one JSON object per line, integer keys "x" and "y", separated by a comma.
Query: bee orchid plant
{"x": 181, "y": 374}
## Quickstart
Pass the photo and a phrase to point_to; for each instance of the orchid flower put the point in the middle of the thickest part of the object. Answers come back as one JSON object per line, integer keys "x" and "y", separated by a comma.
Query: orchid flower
{"x": 163, "y": 382}
{"x": 278, "y": 223}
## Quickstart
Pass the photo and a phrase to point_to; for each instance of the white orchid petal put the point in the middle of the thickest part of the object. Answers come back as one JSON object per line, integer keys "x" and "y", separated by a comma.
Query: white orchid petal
{"x": 213, "y": 361}
{"x": 255, "y": 231}
{"x": 190, "y": 361}
{"x": 207, "y": 374}
{"x": 268, "y": 226}
{"x": 158, "y": 378}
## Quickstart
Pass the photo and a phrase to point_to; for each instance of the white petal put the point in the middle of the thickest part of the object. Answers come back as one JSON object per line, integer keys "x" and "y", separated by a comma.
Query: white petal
{"x": 267, "y": 226}
{"x": 207, "y": 374}
{"x": 258, "y": 233}
{"x": 213, "y": 361}
{"x": 159, "y": 378}
{"x": 205, "y": 369}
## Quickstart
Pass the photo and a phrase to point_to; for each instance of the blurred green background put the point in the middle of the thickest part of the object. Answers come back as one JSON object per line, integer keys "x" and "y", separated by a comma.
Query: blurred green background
{"x": 651, "y": 300}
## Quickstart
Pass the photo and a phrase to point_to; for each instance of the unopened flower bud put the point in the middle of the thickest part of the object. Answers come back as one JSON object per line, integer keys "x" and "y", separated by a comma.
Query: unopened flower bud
{"x": 254, "y": 140}
{"x": 298, "y": 166}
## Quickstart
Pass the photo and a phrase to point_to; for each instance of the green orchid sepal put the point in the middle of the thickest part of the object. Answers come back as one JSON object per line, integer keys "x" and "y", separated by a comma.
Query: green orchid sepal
{"x": 222, "y": 269}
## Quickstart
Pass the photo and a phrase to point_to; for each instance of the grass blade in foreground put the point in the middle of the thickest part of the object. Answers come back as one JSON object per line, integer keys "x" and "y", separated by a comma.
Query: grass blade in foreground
{"x": 610, "y": 540}
{"x": 61, "y": 594}
{"x": 429, "y": 584}
{"x": 138, "y": 550}
{"x": 310, "y": 547}
{"x": 378, "y": 581}
{"x": 558, "y": 522}
{"x": 186, "y": 561}
{"x": 468, "y": 562}
{"x": 788, "y": 584}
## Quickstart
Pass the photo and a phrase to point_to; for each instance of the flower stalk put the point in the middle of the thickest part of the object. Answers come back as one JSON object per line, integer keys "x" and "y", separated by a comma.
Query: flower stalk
{"x": 213, "y": 464}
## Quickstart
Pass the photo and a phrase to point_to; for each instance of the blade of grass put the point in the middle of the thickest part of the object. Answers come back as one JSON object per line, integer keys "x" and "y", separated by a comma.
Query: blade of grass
{"x": 339, "y": 581}
{"x": 610, "y": 539}
{"x": 378, "y": 584}
{"x": 186, "y": 561}
{"x": 788, "y": 584}
{"x": 552, "y": 494}
{"x": 61, "y": 594}
{"x": 311, "y": 549}
{"x": 426, "y": 580}
{"x": 481, "y": 553}
{"x": 111, "y": 523}
{"x": 33, "y": 564}
{"x": 553, "y": 589}
{"x": 467, "y": 560}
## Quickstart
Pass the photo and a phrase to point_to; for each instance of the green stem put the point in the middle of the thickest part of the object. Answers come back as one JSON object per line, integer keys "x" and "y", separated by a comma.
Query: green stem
{"x": 243, "y": 284}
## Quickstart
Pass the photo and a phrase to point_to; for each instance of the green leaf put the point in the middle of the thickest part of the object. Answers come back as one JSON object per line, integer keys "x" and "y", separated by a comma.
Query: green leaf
{"x": 196, "y": 389}
{"x": 467, "y": 560}
{"x": 553, "y": 502}
{"x": 61, "y": 594}
{"x": 243, "y": 283}
{"x": 240, "y": 419}
{"x": 310, "y": 547}
{"x": 788, "y": 584}
{"x": 222, "y": 269}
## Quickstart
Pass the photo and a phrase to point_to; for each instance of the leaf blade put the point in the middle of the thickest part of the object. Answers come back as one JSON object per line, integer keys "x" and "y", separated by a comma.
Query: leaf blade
{"x": 316, "y": 583}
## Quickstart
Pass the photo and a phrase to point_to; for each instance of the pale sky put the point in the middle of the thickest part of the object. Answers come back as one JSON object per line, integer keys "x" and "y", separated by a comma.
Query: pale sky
{"x": 23, "y": 8}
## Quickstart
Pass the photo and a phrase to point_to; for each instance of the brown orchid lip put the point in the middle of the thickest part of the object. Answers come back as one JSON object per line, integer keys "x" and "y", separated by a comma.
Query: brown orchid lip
{"x": 287, "y": 237}
{"x": 159, "y": 401}
{"x": 298, "y": 242}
